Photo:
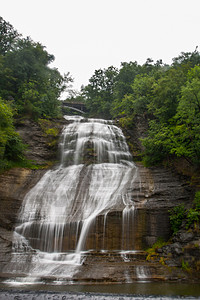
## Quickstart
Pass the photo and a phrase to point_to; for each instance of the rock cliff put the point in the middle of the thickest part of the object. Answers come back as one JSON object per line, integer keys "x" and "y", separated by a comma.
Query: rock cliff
{"x": 171, "y": 186}
{"x": 15, "y": 183}
{"x": 160, "y": 189}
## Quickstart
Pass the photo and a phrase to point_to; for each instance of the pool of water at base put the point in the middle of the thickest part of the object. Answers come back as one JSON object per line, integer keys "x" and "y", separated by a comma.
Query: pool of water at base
{"x": 141, "y": 289}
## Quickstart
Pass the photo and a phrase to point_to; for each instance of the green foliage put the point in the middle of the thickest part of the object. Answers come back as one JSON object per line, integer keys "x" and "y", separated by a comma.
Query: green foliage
{"x": 98, "y": 93}
{"x": 138, "y": 100}
{"x": 51, "y": 132}
{"x": 6, "y": 126}
{"x": 152, "y": 252}
{"x": 167, "y": 96}
{"x": 11, "y": 146}
{"x": 197, "y": 200}
{"x": 48, "y": 127}
{"x": 125, "y": 122}
{"x": 6, "y": 115}
{"x": 177, "y": 215}
{"x": 187, "y": 60}
{"x": 176, "y": 107}
{"x": 25, "y": 76}
{"x": 142, "y": 93}
{"x": 159, "y": 142}
{"x": 29, "y": 87}
{"x": 185, "y": 266}
{"x": 14, "y": 148}
{"x": 8, "y": 36}
{"x": 188, "y": 116}
{"x": 191, "y": 216}
{"x": 158, "y": 244}
{"x": 125, "y": 79}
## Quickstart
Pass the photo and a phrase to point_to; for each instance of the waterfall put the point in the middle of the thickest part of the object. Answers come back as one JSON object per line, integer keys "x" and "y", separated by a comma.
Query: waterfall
{"x": 95, "y": 177}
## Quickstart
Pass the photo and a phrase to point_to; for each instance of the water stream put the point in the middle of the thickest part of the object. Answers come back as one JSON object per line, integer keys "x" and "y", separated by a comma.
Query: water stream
{"x": 95, "y": 177}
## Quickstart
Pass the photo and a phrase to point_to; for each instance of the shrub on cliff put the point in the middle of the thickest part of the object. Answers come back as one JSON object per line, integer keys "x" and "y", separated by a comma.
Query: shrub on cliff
{"x": 11, "y": 146}
{"x": 191, "y": 216}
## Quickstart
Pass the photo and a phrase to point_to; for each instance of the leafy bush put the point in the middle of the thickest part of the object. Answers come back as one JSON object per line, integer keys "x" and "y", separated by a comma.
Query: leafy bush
{"x": 152, "y": 252}
{"x": 14, "y": 148}
{"x": 177, "y": 214}
{"x": 48, "y": 127}
{"x": 11, "y": 146}
{"x": 193, "y": 217}
{"x": 185, "y": 266}
{"x": 126, "y": 122}
{"x": 156, "y": 144}
{"x": 197, "y": 200}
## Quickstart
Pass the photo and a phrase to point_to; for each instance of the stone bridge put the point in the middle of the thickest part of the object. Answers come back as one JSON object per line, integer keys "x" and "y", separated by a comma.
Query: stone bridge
{"x": 75, "y": 106}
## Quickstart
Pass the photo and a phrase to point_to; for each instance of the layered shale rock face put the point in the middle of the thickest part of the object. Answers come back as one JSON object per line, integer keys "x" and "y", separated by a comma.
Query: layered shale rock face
{"x": 96, "y": 201}
{"x": 162, "y": 189}
{"x": 14, "y": 184}
{"x": 42, "y": 145}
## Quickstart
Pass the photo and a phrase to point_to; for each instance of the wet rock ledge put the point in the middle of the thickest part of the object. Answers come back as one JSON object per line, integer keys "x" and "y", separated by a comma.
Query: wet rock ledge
{"x": 15, "y": 183}
{"x": 161, "y": 189}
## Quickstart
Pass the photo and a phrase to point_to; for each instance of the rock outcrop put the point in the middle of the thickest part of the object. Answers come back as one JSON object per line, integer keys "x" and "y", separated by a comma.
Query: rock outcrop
{"x": 40, "y": 148}
{"x": 160, "y": 190}
{"x": 14, "y": 184}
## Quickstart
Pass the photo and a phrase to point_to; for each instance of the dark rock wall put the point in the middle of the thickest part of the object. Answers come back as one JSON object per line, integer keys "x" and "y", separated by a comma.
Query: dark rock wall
{"x": 14, "y": 184}
{"x": 160, "y": 190}
{"x": 39, "y": 150}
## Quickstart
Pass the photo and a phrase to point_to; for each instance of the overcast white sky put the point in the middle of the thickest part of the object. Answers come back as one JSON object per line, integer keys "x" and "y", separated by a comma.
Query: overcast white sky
{"x": 85, "y": 35}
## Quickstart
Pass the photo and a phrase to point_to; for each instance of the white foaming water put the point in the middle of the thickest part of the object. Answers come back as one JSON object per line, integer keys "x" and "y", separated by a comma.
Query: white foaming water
{"x": 142, "y": 273}
{"x": 96, "y": 176}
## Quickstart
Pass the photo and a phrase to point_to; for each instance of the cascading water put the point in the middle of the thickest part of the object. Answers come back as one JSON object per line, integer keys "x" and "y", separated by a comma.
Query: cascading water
{"x": 95, "y": 177}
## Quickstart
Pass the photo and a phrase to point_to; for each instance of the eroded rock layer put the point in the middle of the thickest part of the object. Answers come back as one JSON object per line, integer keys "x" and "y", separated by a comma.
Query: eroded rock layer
{"x": 158, "y": 190}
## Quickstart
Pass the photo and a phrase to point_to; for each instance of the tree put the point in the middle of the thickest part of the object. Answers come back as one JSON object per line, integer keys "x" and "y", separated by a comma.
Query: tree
{"x": 157, "y": 144}
{"x": 138, "y": 100}
{"x": 8, "y": 36}
{"x": 189, "y": 105}
{"x": 188, "y": 117}
{"x": 125, "y": 78}
{"x": 165, "y": 94}
{"x": 99, "y": 92}
{"x": 26, "y": 78}
{"x": 187, "y": 60}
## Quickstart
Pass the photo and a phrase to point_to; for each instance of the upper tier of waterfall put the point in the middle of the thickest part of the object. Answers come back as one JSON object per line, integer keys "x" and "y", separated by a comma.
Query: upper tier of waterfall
{"x": 93, "y": 141}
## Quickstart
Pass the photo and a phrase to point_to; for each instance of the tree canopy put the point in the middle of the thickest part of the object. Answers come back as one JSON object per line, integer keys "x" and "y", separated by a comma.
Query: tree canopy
{"x": 25, "y": 75}
{"x": 167, "y": 95}
{"x": 29, "y": 87}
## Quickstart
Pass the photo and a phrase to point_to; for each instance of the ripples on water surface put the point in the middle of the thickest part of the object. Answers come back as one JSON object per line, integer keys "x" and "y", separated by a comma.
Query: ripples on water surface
{"x": 145, "y": 290}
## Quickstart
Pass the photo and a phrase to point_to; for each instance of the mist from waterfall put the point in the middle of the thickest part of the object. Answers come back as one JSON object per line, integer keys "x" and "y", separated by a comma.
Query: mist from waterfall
{"x": 95, "y": 177}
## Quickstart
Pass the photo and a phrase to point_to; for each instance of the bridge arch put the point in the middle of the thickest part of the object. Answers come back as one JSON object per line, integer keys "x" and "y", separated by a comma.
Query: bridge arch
{"x": 76, "y": 106}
